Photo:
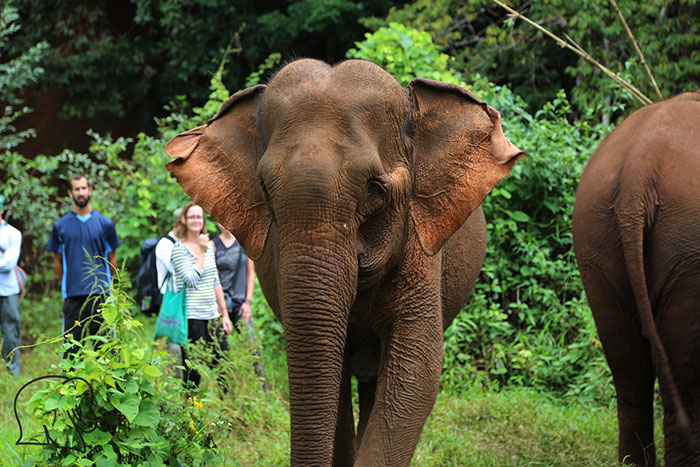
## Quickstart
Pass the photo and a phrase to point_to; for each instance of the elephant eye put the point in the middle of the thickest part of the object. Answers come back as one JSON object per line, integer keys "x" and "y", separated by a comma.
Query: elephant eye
{"x": 374, "y": 188}
{"x": 375, "y": 192}
{"x": 264, "y": 188}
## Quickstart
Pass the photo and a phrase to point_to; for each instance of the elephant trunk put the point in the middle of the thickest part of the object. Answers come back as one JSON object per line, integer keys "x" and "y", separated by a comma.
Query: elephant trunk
{"x": 316, "y": 287}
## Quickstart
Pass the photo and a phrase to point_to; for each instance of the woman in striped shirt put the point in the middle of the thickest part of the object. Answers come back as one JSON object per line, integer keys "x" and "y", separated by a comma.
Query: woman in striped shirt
{"x": 194, "y": 264}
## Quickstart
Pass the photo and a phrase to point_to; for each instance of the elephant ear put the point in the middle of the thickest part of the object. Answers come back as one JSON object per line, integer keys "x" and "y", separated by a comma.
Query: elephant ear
{"x": 216, "y": 164}
{"x": 460, "y": 153}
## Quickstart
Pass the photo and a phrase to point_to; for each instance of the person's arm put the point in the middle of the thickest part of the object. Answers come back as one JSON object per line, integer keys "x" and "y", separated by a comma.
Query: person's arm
{"x": 184, "y": 269}
{"x": 58, "y": 265}
{"x": 113, "y": 242}
{"x": 246, "y": 307}
{"x": 223, "y": 310}
{"x": 204, "y": 245}
{"x": 9, "y": 258}
{"x": 112, "y": 258}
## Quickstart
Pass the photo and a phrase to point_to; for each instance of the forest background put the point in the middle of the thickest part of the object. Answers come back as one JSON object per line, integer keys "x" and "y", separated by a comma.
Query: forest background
{"x": 99, "y": 87}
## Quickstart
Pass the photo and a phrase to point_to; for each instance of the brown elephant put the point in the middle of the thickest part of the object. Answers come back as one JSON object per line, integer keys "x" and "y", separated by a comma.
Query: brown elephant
{"x": 636, "y": 227}
{"x": 351, "y": 194}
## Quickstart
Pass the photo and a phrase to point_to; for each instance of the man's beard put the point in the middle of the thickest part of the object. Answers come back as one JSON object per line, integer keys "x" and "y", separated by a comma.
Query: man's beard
{"x": 81, "y": 202}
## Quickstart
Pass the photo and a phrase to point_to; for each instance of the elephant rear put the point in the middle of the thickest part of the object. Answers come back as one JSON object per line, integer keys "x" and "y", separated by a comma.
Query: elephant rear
{"x": 636, "y": 231}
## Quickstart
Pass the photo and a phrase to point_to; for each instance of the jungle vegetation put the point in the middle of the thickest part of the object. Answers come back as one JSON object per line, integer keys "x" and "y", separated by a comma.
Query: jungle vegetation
{"x": 127, "y": 76}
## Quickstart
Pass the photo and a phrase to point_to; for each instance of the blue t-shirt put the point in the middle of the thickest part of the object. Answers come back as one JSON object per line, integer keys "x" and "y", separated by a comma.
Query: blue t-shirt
{"x": 84, "y": 243}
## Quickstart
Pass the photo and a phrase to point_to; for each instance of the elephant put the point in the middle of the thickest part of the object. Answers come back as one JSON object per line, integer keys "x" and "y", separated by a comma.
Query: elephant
{"x": 636, "y": 232}
{"x": 359, "y": 201}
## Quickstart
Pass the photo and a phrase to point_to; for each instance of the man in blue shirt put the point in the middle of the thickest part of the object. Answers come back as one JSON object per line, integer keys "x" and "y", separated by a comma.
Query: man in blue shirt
{"x": 80, "y": 242}
{"x": 10, "y": 243}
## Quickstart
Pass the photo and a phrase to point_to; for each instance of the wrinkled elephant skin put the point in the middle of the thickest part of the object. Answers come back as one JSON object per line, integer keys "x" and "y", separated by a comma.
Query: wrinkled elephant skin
{"x": 636, "y": 227}
{"x": 359, "y": 200}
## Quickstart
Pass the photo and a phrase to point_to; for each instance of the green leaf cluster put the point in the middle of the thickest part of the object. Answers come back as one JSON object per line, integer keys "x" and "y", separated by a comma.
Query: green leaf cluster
{"x": 404, "y": 52}
{"x": 528, "y": 323}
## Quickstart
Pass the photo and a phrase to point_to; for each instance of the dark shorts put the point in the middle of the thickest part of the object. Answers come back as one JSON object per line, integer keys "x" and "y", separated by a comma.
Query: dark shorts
{"x": 85, "y": 309}
{"x": 234, "y": 309}
{"x": 208, "y": 331}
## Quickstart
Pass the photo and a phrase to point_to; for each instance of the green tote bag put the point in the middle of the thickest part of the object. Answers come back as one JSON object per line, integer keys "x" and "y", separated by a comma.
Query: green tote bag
{"x": 172, "y": 318}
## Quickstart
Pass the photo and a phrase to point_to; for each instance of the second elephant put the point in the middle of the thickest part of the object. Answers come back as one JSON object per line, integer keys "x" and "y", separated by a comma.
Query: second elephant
{"x": 636, "y": 228}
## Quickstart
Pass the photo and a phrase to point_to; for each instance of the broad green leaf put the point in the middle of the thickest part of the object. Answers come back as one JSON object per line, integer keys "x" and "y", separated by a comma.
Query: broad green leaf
{"x": 149, "y": 414}
{"x": 150, "y": 370}
{"x": 109, "y": 313}
{"x": 126, "y": 404}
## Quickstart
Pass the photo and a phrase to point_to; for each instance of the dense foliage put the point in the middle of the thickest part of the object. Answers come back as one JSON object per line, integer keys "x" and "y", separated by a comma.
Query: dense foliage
{"x": 109, "y": 57}
{"x": 117, "y": 404}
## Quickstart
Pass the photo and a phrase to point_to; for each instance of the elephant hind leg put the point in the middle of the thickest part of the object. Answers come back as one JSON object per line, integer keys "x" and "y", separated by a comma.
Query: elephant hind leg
{"x": 633, "y": 376}
{"x": 345, "y": 445}
{"x": 366, "y": 392}
{"x": 629, "y": 355}
{"x": 679, "y": 328}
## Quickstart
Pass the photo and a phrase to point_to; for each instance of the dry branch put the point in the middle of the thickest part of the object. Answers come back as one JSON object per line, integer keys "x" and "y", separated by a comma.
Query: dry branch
{"x": 636, "y": 48}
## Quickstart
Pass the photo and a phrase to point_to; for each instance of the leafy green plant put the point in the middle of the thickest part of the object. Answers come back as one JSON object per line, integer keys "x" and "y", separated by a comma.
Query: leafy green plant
{"x": 404, "y": 52}
{"x": 121, "y": 404}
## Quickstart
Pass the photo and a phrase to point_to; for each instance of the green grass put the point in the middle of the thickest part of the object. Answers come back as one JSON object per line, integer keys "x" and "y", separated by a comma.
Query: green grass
{"x": 478, "y": 427}
{"x": 517, "y": 426}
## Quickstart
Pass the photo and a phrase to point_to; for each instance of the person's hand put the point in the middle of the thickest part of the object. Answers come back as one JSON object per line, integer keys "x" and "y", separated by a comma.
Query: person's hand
{"x": 203, "y": 242}
{"x": 228, "y": 326}
{"x": 246, "y": 312}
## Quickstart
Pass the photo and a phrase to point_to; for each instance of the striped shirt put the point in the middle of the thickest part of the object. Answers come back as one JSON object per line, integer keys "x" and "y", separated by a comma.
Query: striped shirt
{"x": 200, "y": 283}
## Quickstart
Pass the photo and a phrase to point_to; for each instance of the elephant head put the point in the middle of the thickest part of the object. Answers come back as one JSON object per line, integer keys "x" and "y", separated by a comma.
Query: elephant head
{"x": 335, "y": 179}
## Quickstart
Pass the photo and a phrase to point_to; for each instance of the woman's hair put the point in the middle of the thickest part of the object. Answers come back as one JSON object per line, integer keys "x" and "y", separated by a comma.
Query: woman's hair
{"x": 181, "y": 229}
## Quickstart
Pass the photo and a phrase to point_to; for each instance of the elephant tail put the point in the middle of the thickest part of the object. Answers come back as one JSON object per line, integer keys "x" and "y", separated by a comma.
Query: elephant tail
{"x": 634, "y": 221}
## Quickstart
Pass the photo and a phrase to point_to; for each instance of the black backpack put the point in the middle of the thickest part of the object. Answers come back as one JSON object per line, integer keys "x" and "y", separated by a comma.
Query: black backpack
{"x": 147, "y": 280}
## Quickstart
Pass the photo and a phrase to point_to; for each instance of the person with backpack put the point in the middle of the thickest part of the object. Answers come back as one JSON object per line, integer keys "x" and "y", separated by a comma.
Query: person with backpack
{"x": 163, "y": 253}
{"x": 154, "y": 264}
{"x": 151, "y": 281}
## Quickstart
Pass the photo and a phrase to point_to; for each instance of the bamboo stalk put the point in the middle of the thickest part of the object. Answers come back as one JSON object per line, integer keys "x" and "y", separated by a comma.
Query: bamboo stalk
{"x": 635, "y": 92}
{"x": 636, "y": 48}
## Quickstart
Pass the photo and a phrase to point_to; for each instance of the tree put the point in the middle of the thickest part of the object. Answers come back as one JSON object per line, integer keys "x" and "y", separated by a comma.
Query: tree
{"x": 15, "y": 74}
{"x": 111, "y": 66}
{"x": 481, "y": 38}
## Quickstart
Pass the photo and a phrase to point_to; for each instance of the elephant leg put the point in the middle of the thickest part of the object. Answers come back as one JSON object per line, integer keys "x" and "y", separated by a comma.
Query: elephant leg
{"x": 629, "y": 356}
{"x": 407, "y": 385}
{"x": 345, "y": 445}
{"x": 366, "y": 391}
{"x": 679, "y": 328}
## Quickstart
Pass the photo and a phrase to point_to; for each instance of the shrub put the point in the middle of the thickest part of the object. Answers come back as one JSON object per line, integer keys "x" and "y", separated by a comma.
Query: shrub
{"x": 137, "y": 416}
